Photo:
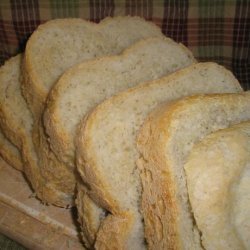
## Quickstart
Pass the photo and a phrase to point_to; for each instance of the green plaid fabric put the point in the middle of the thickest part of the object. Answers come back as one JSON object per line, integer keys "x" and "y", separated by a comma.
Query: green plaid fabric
{"x": 215, "y": 30}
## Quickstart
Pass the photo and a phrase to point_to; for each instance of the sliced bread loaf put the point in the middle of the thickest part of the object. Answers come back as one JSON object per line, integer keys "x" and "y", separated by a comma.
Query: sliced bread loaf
{"x": 106, "y": 148}
{"x": 59, "y": 44}
{"x": 53, "y": 48}
{"x": 10, "y": 153}
{"x": 85, "y": 85}
{"x": 165, "y": 142}
{"x": 218, "y": 180}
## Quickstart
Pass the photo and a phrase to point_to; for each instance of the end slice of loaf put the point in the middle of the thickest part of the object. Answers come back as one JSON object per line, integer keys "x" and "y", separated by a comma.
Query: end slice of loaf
{"x": 61, "y": 43}
{"x": 17, "y": 123}
{"x": 15, "y": 118}
{"x": 106, "y": 148}
{"x": 10, "y": 142}
{"x": 165, "y": 142}
{"x": 218, "y": 181}
{"x": 10, "y": 153}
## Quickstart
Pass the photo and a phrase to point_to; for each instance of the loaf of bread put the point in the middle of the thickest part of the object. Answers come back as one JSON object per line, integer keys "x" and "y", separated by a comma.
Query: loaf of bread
{"x": 72, "y": 65}
{"x": 10, "y": 143}
{"x": 218, "y": 180}
{"x": 53, "y": 48}
{"x": 165, "y": 142}
{"x": 106, "y": 149}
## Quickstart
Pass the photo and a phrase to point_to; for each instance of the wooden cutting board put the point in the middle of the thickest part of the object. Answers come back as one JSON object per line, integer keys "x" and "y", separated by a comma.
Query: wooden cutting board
{"x": 26, "y": 220}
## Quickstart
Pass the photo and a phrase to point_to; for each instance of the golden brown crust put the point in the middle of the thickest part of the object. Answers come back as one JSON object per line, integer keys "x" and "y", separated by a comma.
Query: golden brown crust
{"x": 113, "y": 232}
{"x": 89, "y": 173}
{"x": 30, "y": 91}
{"x": 89, "y": 215}
{"x": 159, "y": 205}
{"x": 12, "y": 135}
{"x": 10, "y": 153}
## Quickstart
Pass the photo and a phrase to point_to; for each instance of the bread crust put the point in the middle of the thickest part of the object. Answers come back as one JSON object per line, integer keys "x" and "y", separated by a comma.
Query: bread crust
{"x": 10, "y": 153}
{"x": 114, "y": 231}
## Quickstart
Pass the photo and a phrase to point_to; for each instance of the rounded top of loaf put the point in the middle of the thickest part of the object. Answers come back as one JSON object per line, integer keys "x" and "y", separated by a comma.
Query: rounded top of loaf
{"x": 59, "y": 44}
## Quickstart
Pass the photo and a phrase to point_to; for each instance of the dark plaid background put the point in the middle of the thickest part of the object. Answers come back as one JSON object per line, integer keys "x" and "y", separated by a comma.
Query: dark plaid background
{"x": 215, "y": 30}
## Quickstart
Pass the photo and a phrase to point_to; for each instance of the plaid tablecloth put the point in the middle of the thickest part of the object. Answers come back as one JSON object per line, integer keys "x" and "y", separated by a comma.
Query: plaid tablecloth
{"x": 215, "y": 30}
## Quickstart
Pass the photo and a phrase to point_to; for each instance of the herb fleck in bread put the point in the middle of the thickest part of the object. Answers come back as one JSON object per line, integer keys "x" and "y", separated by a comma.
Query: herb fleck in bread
{"x": 165, "y": 142}
{"x": 218, "y": 181}
{"x": 106, "y": 148}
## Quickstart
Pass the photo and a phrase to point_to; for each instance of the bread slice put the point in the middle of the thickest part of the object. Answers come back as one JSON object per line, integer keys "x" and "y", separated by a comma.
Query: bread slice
{"x": 9, "y": 74}
{"x": 87, "y": 84}
{"x": 165, "y": 142}
{"x": 17, "y": 122}
{"x": 59, "y": 44}
{"x": 218, "y": 180}
{"x": 10, "y": 153}
{"x": 15, "y": 118}
{"x": 106, "y": 149}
